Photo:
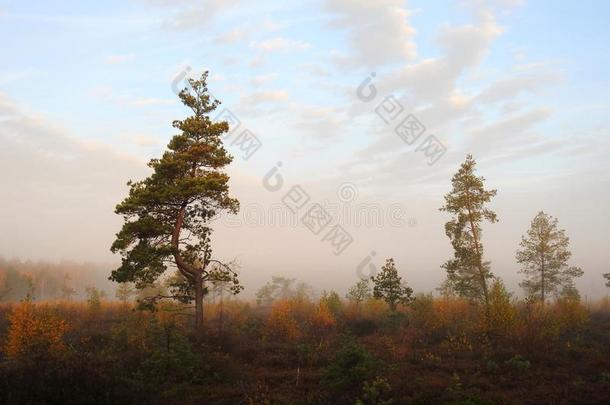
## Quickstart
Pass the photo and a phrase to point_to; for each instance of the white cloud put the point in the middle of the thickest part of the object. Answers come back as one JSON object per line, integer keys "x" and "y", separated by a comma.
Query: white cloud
{"x": 266, "y": 96}
{"x": 142, "y": 102}
{"x": 193, "y": 14}
{"x": 321, "y": 122}
{"x": 510, "y": 87}
{"x": 141, "y": 140}
{"x": 378, "y": 31}
{"x": 230, "y": 37}
{"x": 280, "y": 44}
{"x": 262, "y": 79}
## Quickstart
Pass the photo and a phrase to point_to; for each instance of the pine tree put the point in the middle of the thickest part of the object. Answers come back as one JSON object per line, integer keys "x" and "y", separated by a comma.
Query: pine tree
{"x": 167, "y": 215}
{"x": 467, "y": 273}
{"x": 387, "y": 285}
{"x": 544, "y": 256}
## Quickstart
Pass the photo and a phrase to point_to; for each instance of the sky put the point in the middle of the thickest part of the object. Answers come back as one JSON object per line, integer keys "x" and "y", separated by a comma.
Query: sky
{"x": 320, "y": 91}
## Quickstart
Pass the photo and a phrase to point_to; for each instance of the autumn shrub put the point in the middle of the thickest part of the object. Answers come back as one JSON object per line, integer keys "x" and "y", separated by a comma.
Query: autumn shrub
{"x": 281, "y": 324}
{"x": 376, "y": 392}
{"x": 322, "y": 322}
{"x": 536, "y": 328}
{"x": 570, "y": 315}
{"x": 502, "y": 316}
{"x": 35, "y": 333}
{"x": 453, "y": 317}
{"x": 373, "y": 309}
{"x": 423, "y": 314}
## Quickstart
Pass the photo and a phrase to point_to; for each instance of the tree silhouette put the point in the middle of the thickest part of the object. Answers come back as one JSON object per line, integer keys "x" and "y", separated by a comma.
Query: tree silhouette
{"x": 167, "y": 215}
{"x": 544, "y": 256}
{"x": 387, "y": 285}
{"x": 361, "y": 291}
{"x": 467, "y": 272}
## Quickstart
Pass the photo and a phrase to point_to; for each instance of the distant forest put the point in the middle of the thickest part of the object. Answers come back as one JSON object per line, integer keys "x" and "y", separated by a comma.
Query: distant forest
{"x": 49, "y": 281}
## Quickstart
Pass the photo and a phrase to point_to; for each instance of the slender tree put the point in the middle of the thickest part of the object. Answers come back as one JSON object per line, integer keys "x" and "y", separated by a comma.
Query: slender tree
{"x": 467, "y": 273}
{"x": 544, "y": 256}
{"x": 359, "y": 292}
{"x": 67, "y": 292}
{"x": 124, "y": 292}
{"x": 388, "y": 285}
{"x": 167, "y": 215}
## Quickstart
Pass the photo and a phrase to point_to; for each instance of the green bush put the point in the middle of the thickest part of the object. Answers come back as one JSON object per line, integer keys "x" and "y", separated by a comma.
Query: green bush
{"x": 351, "y": 366}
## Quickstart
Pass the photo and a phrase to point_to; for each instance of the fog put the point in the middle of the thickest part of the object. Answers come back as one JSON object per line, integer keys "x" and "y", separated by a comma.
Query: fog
{"x": 59, "y": 196}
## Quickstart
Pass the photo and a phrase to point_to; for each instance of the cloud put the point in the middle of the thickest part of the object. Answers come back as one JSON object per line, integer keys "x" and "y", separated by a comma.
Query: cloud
{"x": 141, "y": 140}
{"x": 143, "y": 102}
{"x": 321, "y": 122}
{"x": 279, "y": 44}
{"x": 446, "y": 96}
{"x": 513, "y": 86}
{"x": 7, "y": 77}
{"x": 230, "y": 37}
{"x": 193, "y": 14}
{"x": 262, "y": 79}
{"x": 102, "y": 92}
{"x": 268, "y": 96}
{"x": 378, "y": 31}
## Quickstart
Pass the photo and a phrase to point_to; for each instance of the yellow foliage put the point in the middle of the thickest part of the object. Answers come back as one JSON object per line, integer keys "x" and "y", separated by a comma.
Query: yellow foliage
{"x": 34, "y": 332}
{"x": 322, "y": 320}
{"x": 374, "y": 309}
{"x": 502, "y": 314}
{"x": 570, "y": 314}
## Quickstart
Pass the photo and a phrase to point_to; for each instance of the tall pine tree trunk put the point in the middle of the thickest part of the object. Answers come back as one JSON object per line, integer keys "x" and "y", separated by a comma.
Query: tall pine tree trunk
{"x": 479, "y": 263}
{"x": 199, "y": 303}
{"x": 542, "y": 277}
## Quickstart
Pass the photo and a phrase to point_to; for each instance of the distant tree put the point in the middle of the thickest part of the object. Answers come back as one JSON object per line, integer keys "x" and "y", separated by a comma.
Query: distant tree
{"x": 333, "y": 301}
{"x": 4, "y": 288}
{"x": 467, "y": 272}
{"x": 569, "y": 292}
{"x": 282, "y": 288}
{"x": 607, "y": 277}
{"x": 30, "y": 295}
{"x": 67, "y": 292}
{"x": 387, "y": 285}
{"x": 544, "y": 256}
{"x": 359, "y": 292}
{"x": 94, "y": 297}
{"x": 124, "y": 292}
{"x": 446, "y": 289}
{"x": 167, "y": 215}
{"x": 266, "y": 294}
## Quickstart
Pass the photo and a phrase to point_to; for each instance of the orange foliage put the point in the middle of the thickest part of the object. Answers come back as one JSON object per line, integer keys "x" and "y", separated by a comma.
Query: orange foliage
{"x": 34, "y": 332}
{"x": 454, "y": 314}
{"x": 322, "y": 320}
{"x": 281, "y": 323}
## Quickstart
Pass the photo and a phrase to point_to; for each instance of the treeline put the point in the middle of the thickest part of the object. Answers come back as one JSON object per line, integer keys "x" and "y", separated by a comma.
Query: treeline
{"x": 41, "y": 281}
